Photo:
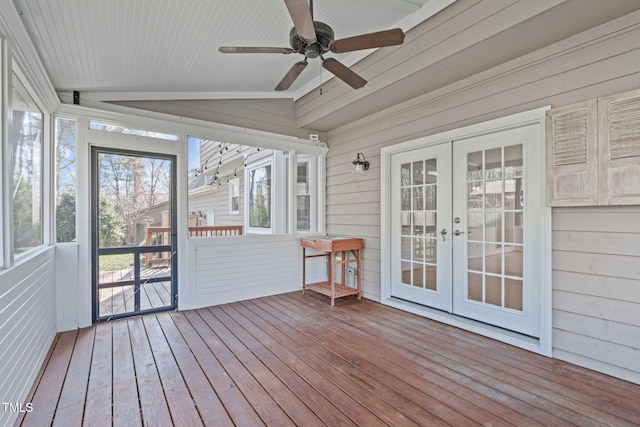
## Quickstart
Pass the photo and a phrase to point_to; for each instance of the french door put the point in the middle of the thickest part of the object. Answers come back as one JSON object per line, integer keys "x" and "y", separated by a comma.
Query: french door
{"x": 465, "y": 234}
{"x": 133, "y": 232}
{"x": 421, "y": 245}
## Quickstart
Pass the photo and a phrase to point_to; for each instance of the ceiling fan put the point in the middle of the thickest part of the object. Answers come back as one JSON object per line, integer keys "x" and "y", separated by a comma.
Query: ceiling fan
{"x": 313, "y": 39}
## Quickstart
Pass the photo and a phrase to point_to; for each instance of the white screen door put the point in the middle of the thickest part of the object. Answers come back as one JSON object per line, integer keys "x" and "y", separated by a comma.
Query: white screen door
{"x": 466, "y": 229}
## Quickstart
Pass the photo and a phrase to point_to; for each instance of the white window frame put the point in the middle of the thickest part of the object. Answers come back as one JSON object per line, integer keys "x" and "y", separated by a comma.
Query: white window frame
{"x": 234, "y": 183}
{"x": 54, "y": 188}
{"x": 46, "y": 171}
{"x": 5, "y": 94}
{"x": 279, "y": 208}
{"x": 251, "y": 167}
{"x": 312, "y": 176}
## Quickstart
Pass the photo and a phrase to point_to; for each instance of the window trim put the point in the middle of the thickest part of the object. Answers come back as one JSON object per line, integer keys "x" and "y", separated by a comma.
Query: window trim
{"x": 269, "y": 161}
{"x": 45, "y": 172}
{"x": 55, "y": 180}
{"x": 234, "y": 182}
{"x": 5, "y": 187}
{"x": 312, "y": 176}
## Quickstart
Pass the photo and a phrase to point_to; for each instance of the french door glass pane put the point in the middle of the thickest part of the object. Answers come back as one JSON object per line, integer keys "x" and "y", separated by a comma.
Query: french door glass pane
{"x": 495, "y": 202}
{"x": 418, "y": 191}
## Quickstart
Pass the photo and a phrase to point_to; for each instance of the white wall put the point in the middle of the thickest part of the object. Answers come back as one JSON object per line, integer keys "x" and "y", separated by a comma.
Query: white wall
{"x": 597, "y": 62}
{"x": 27, "y": 326}
{"x": 27, "y": 288}
{"x": 226, "y": 269}
{"x": 66, "y": 260}
{"x": 596, "y": 281}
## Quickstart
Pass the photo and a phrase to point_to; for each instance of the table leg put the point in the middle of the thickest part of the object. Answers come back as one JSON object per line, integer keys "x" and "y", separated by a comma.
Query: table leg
{"x": 358, "y": 273}
{"x": 344, "y": 268}
{"x": 331, "y": 278}
{"x": 304, "y": 262}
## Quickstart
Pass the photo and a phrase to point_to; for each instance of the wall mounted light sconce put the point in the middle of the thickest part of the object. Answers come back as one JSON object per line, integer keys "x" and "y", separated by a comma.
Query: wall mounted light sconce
{"x": 360, "y": 164}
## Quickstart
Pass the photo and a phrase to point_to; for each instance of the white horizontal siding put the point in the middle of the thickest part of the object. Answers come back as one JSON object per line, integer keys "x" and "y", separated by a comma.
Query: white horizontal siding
{"x": 226, "y": 269}
{"x": 27, "y": 326}
{"x": 217, "y": 201}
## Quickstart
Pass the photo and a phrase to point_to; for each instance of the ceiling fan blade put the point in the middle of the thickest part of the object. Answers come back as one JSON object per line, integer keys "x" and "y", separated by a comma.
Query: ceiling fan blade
{"x": 343, "y": 73}
{"x": 303, "y": 21}
{"x": 242, "y": 49}
{"x": 367, "y": 41}
{"x": 292, "y": 75}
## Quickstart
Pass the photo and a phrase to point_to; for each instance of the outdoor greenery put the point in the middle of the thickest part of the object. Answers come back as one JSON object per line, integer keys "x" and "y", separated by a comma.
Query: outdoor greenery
{"x": 115, "y": 262}
{"x": 111, "y": 226}
{"x": 65, "y": 169}
{"x": 130, "y": 186}
{"x": 27, "y": 231}
{"x": 260, "y": 197}
{"x": 26, "y": 134}
{"x": 66, "y": 217}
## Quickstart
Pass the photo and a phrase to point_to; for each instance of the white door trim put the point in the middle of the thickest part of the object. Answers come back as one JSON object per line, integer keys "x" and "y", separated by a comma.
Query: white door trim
{"x": 533, "y": 117}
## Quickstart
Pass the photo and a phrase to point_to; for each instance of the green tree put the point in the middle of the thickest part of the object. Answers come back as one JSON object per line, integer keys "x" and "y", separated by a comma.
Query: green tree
{"x": 111, "y": 227}
{"x": 259, "y": 214}
{"x": 27, "y": 228}
{"x": 66, "y": 217}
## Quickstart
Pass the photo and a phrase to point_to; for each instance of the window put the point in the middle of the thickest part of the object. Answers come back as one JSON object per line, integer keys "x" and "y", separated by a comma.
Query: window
{"x": 305, "y": 194}
{"x": 65, "y": 173}
{"x": 259, "y": 196}
{"x": 249, "y": 186}
{"x": 27, "y": 166}
{"x": 234, "y": 196}
{"x": 129, "y": 131}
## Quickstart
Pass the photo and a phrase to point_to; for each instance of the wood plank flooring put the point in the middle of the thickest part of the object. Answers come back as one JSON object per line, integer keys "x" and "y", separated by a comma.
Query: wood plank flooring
{"x": 293, "y": 360}
{"x": 121, "y": 299}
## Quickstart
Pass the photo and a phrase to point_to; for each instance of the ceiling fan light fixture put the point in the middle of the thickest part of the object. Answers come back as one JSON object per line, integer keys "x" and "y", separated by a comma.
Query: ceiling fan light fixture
{"x": 312, "y": 51}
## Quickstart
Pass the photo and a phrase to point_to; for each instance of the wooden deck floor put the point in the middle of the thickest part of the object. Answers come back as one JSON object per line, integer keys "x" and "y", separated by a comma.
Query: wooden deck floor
{"x": 120, "y": 299}
{"x": 294, "y": 360}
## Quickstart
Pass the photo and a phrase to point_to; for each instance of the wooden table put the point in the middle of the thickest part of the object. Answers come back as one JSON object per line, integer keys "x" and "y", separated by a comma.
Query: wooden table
{"x": 345, "y": 247}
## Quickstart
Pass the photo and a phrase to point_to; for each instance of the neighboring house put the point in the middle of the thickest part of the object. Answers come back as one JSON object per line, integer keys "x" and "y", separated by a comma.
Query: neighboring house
{"x": 464, "y": 101}
{"x": 217, "y": 191}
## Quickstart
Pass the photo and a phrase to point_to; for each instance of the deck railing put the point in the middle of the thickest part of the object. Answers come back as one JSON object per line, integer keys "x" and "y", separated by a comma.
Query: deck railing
{"x": 161, "y": 236}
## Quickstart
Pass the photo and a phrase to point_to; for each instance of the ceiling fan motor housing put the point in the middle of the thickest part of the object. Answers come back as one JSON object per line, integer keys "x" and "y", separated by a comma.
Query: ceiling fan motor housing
{"x": 324, "y": 37}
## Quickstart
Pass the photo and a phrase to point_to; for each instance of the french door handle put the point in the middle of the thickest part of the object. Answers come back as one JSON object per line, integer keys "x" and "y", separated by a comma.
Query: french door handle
{"x": 458, "y": 232}
{"x": 443, "y": 232}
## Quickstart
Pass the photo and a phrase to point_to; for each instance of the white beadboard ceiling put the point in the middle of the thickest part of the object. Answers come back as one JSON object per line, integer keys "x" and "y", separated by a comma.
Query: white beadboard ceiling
{"x": 169, "y": 47}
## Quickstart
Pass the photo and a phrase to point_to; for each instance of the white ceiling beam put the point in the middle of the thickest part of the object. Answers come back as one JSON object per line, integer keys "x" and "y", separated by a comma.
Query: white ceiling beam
{"x": 167, "y": 96}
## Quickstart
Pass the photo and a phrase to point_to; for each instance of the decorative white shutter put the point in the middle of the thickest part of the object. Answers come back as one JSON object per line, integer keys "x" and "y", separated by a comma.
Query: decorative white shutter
{"x": 619, "y": 149}
{"x": 572, "y": 155}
